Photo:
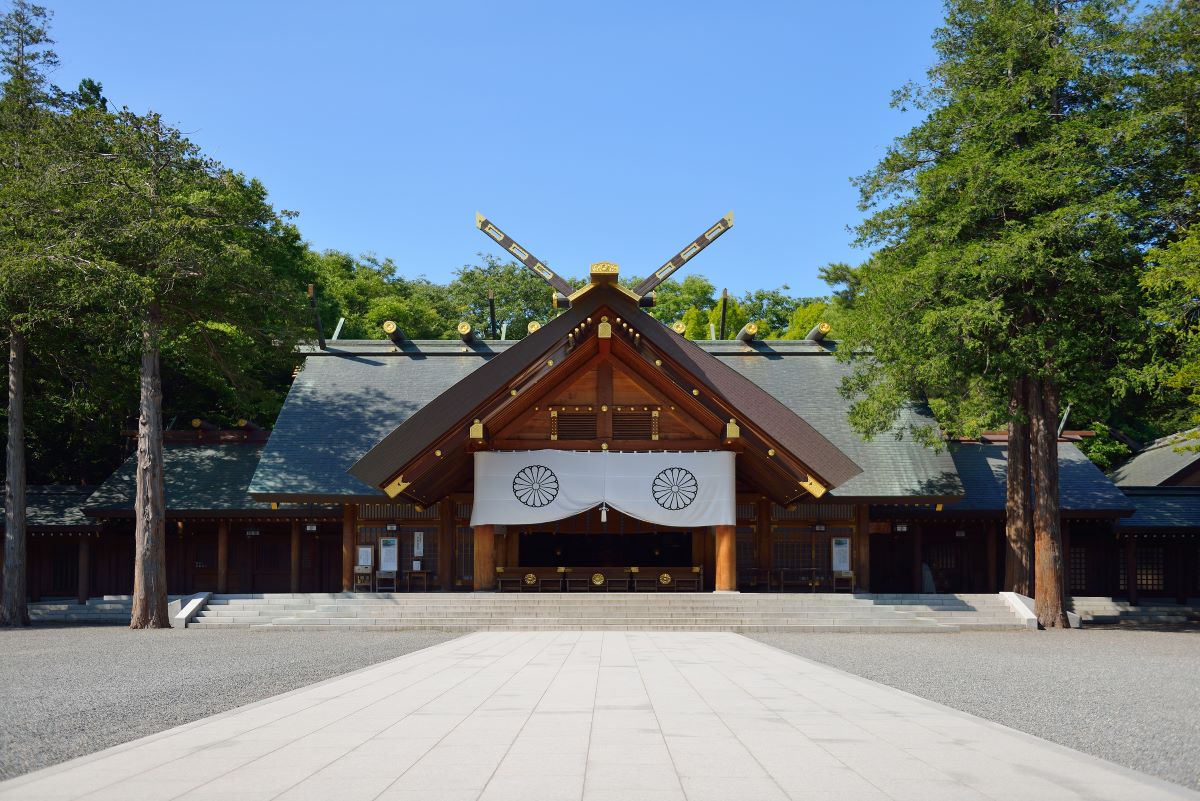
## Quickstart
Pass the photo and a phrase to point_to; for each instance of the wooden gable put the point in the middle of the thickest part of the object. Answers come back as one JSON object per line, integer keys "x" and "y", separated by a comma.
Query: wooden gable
{"x": 591, "y": 380}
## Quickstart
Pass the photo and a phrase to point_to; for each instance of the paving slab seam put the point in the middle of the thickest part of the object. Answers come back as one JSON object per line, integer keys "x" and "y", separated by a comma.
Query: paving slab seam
{"x": 420, "y": 657}
{"x": 467, "y": 717}
{"x": 1177, "y": 790}
{"x": 186, "y": 728}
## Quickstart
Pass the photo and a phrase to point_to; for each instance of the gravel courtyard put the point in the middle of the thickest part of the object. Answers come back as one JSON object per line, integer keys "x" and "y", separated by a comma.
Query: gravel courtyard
{"x": 1129, "y": 696}
{"x": 69, "y": 691}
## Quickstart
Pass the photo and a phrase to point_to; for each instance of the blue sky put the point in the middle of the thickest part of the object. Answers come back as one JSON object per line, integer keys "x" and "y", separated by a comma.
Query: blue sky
{"x": 604, "y": 131}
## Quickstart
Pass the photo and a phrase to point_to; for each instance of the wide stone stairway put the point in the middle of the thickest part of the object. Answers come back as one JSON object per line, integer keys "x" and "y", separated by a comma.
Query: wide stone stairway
{"x": 1101, "y": 610}
{"x": 747, "y": 612}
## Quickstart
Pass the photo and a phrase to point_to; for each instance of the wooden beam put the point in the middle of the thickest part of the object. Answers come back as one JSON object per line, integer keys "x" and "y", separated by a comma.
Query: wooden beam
{"x": 85, "y": 568}
{"x": 918, "y": 573}
{"x": 862, "y": 546}
{"x": 295, "y": 582}
{"x": 762, "y": 533}
{"x": 349, "y": 540}
{"x": 604, "y": 400}
{"x": 1131, "y": 587}
{"x": 445, "y": 567}
{"x": 726, "y": 558}
{"x": 992, "y": 542}
{"x": 484, "y": 573}
{"x": 223, "y": 556}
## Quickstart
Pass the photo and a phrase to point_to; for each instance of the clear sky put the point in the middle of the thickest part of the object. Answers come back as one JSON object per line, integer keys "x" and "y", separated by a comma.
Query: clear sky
{"x": 614, "y": 131}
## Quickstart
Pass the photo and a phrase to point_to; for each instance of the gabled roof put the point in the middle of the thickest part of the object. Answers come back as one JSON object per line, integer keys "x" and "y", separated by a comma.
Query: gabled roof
{"x": 1171, "y": 508}
{"x": 209, "y": 479}
{"x": 55, "y": 506}
{"x": 1081, "y": 485}
{"x": 488, "y": 389}
{"x": 1160, "y": 461}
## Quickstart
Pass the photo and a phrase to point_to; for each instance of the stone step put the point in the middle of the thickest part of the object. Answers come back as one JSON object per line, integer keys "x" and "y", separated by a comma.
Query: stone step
{"x": 884, "y": 628}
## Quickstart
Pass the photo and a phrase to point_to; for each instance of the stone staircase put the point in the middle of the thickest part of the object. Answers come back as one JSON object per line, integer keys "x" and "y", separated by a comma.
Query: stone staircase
{"x": 1111, "y": 611}
{"x": 969, "y": 612}
{"x": 816, "y": 612}
{"x": 109, "y": 609}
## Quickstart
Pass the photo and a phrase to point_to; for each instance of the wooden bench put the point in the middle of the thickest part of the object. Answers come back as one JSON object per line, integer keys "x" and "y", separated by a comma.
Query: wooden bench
{"x": 667, "y": 579}
{"x": 529, "y": 579}
{"x": 597, "y": 579}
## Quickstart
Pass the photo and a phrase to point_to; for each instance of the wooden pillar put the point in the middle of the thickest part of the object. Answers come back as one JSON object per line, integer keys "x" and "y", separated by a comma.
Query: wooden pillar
{"x": 992, "y": 585}
{"x": 223, "y": 556}
{"x": 918, "y": 574}
{"x": 349, "y": 540}
{"x": 85, "y": 568}
{"x": 762, "y": 534}
{"x": 862, "y": 547}
{"x": 1131, "y": 569}
{"x": 445, "y": 565}
{"x": 295, "y": 583}
{"x": 1064, "y": 528}
{"x": 484, "y": 574}
{"x": 726, "y": 558}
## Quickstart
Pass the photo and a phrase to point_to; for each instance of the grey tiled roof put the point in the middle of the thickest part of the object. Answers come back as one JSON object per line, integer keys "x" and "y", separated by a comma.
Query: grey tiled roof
{"x": 55, "y": 506}
{"x": 1081, "y": 485}
{"x": 1166, "y": 508}
{"x": 1158, "y": 461}
{"x": 345, "y": 401}
{"x": 195, "y": 477}
{"x": 806, "y": 379}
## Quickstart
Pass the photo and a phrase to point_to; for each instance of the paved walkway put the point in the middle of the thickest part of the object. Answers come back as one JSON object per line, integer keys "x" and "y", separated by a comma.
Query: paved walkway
{"x": 621, "y": 716}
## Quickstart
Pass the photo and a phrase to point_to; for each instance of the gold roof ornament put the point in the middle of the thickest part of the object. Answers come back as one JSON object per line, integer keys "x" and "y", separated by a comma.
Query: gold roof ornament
{"x": 603, "y": 272}
{"x": 533, "y": 327}
{"x": 397, "y": 486}
{"x": 814, "y": 487}
{"x": 679, "y": 327}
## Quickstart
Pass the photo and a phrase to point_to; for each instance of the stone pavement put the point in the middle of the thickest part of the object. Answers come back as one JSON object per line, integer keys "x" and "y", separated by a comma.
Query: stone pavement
{"x": 541, "y": 716}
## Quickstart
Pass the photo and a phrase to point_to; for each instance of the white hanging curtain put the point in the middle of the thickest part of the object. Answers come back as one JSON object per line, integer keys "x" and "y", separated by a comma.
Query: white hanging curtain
{"x": 668, "y": 489}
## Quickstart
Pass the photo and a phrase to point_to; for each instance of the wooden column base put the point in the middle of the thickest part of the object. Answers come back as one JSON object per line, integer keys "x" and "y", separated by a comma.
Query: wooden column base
{"x": 726, "y": 561}
{"x": 223, "y": 556}
{"x": 484, "y": 574}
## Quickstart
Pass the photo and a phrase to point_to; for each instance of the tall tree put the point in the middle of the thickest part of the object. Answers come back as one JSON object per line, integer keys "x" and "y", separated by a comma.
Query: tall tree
{"x": 25, "y": 108}
{"x": 1006, "y": 265}
{"x": 202, "y": 253}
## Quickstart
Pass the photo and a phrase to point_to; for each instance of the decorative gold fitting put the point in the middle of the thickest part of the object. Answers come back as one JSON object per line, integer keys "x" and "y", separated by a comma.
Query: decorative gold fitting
{"x": 389, "y": 327}
{"x": 533, "y": 326}
{"x": 604, "y": 408}
{"x": 732, "y": 431}
{"x": 770, "y": 451}
{"x": 695, "y": 392}
{"x": 605, "y": 329}
{"x": 550, "y": 362}
{"x": 814, "y": 487}
{"x": 438, "y": 454}
{"x": 603, "y": 446}
{"x": 678, "y": 327}
{"x": 658, "y": 362}
{"x": 476, "y": 430}
{"x": 396, "y": 487}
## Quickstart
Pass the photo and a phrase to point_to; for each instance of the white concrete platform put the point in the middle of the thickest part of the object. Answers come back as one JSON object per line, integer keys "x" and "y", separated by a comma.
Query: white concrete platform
{"x": 541, "y": 716}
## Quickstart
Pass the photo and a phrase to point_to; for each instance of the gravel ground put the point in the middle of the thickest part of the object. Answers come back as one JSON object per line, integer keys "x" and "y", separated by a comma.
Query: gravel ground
{"x": 69, "y": 691}
{"x": 1128, "y": 696}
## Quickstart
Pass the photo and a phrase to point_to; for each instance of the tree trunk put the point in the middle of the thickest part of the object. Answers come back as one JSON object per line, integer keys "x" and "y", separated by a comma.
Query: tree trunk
{"x": 149, "y": 567}
{"x": 1018, "y": 527}
{"x": 13, "y": 610}
{"x": 1049, "y": 594}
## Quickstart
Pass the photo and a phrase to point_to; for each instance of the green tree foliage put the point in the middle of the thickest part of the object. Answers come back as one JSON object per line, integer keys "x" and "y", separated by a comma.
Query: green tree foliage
{"x": 521, "y": 296}
{"x": 1006, "y": 257}
{"x": 673, "y": 298}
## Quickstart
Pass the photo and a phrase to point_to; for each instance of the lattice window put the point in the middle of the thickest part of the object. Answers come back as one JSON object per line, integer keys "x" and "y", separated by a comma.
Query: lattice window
{"x": 941, "y": 556}
{"x": 396, "y": 511}
{"x": 572, "y": 425}
{"x": 1077, "y": 571}
{"x": 747, "y": 550}
{"x": 813, "y": 511}
{"x": 633, "y": 425}
{"x": 1151, "y": 571}
{"x": 801, "y": 548}
{"x": 747, "y": 511}
{"x": 464, "y": 554}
